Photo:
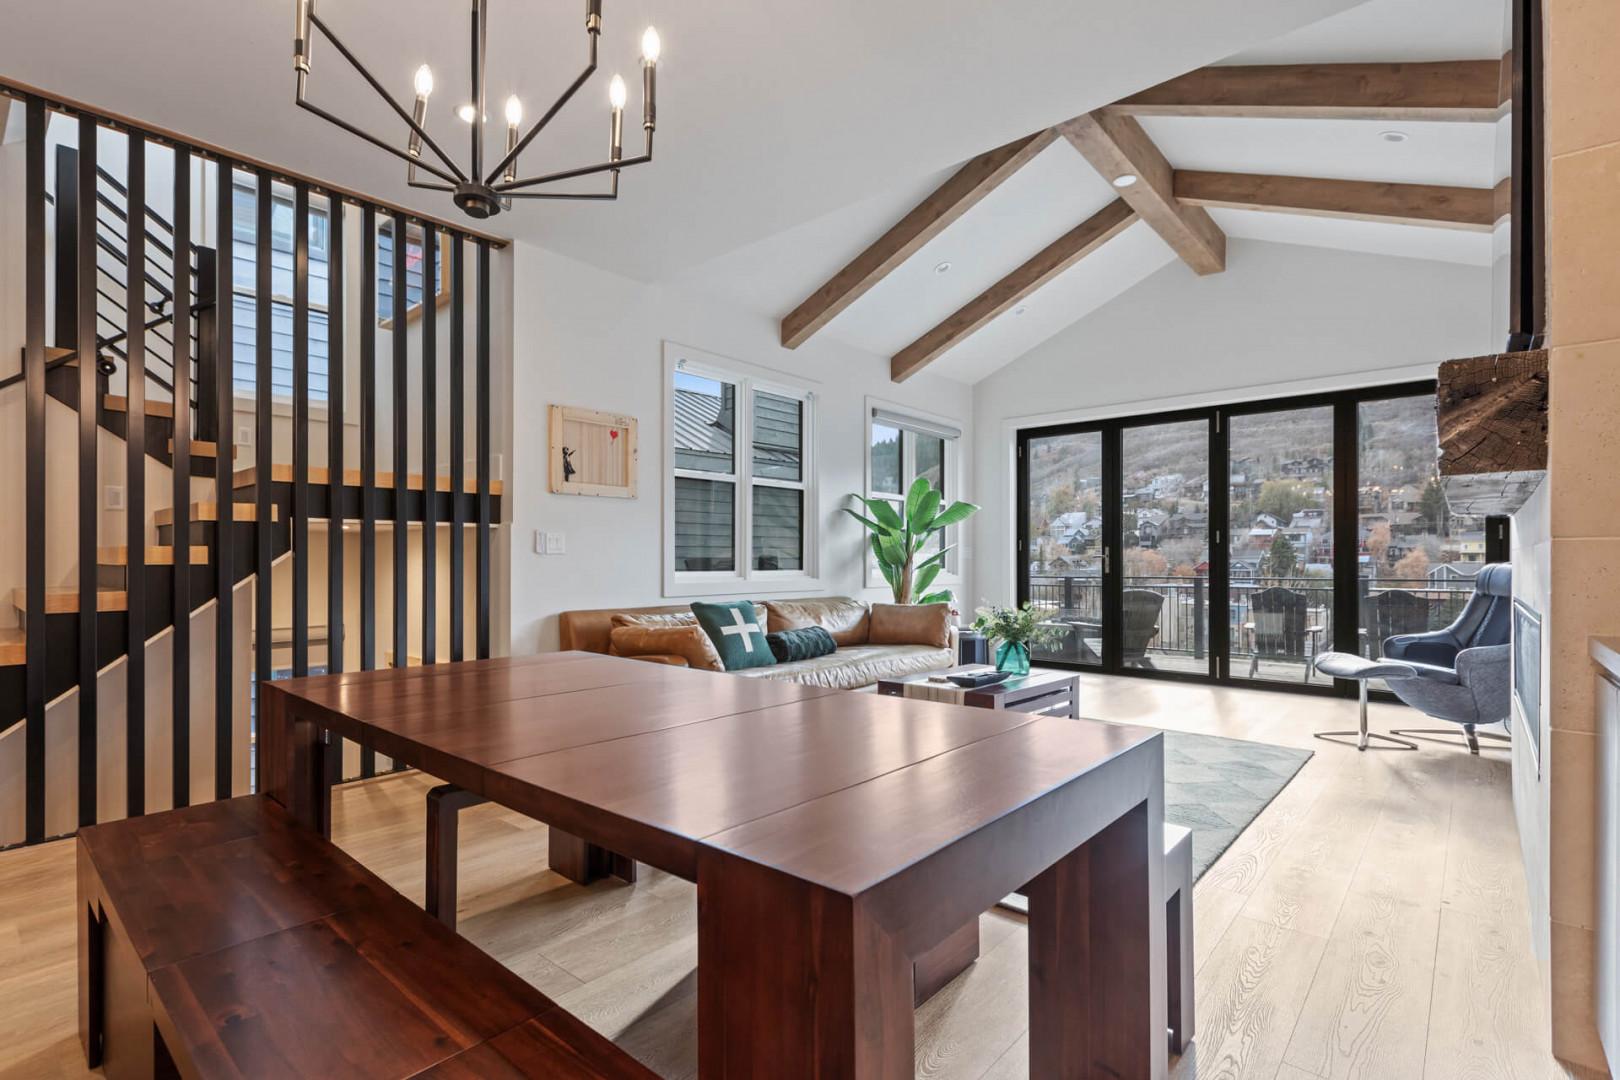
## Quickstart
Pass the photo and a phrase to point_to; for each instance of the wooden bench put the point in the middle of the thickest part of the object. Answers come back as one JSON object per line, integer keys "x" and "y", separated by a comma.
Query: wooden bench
{"x": 226, "y": 940}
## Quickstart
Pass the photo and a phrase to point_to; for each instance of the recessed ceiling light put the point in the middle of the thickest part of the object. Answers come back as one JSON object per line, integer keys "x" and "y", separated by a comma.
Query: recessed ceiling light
{"x": 1124, "y": 180}
{"x": 1392, "y": 136}
{"x": 942, "y": 268}
{"x": 1019, "y": 310}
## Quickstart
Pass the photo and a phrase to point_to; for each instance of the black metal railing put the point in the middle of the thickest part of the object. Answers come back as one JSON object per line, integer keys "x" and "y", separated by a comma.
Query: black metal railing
{"x": 1186, "y": 620}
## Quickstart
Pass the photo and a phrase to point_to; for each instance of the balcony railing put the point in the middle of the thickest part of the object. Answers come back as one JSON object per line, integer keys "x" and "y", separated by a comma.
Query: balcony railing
{"x": 1180, "y": 633}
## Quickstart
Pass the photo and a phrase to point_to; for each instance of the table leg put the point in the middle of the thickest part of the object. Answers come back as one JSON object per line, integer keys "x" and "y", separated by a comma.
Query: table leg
{"x": 582, "y": 862}
{"x": 794, "y": 982}
{"x": 444, "y": 806}
{"x": 1096, "y": 951}
{"x": 944, "y": 962}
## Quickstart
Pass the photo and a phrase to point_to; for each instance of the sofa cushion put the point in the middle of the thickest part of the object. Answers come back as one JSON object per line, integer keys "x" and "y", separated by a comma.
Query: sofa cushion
{"x": 738, "y": 633}
{"x": 688, "y": 642}
{"x": 845, "y": 619}
{"x": 911, "y": 624}
{"x": 857, "y": 666}
{"x": 657, "y": 620}
{"x": 803, "y": 643}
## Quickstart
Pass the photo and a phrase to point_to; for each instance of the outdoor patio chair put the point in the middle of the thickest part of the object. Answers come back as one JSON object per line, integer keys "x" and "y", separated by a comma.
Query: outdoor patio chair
{"x": 1280, "y": 628}
{"x": 1389, "y": 613}
{"x": 1140, "y": 627}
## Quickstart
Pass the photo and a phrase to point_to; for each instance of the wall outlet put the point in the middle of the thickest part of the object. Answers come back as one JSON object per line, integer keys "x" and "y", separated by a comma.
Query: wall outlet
{"x": 114, "y": 497}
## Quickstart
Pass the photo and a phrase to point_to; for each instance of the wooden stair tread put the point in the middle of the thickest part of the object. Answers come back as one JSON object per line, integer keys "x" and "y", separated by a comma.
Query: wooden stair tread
{"x": 64, "y": 600}
{"x": 208, "y": 510}
{"x": 156, "y": 555}
{"x": 13, "y": 648}
{"x": 120, "y": 403}
{"x": 203, "y": 448}
{"x": 319, "y": 474}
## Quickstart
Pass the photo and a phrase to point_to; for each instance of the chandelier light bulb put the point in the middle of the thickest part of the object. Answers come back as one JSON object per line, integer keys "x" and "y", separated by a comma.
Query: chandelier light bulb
{"x": 650, "y": 46}
{"x": 424, "y": 81}
{"x": 467, "y": 114}
{"x": 616, "y": 93}
{"x": 514, "y": 111}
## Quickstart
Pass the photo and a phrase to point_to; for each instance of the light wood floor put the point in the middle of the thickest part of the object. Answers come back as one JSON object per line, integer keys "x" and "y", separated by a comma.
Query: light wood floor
{"x": 1371, "y": 922}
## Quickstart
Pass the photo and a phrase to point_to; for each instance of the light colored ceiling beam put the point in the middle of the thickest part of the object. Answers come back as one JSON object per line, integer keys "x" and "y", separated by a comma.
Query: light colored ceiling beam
{"x": 1051, "y": 261}
{"x": 1116, "y": 146}
{"x": 1464, "y": 90}
{"x": 1474, "y": 209}
{"x": 927, "y": 220}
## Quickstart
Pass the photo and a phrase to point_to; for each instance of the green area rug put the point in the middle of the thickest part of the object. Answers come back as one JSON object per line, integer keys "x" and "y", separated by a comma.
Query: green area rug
{"x": 1216, "y": 787}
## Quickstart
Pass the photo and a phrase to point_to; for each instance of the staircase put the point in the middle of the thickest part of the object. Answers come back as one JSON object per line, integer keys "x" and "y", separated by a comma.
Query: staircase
{"x": 168, "y": 696}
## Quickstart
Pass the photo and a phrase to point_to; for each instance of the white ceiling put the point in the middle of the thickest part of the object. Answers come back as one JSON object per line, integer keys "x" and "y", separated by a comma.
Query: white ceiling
{"x": 771, "y": 113}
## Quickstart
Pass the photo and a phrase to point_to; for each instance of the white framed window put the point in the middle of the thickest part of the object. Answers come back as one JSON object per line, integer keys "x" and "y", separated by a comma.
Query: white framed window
{"x": 740, "y": 495}
{"x": 901, "y": 446}
{"x": 244, "y": 295}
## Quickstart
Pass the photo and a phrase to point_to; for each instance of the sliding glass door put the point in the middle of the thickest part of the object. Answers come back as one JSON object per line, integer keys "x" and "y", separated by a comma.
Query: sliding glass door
{"x": 1061, "y": 550}
{"x": 1165, "y": 613}
{"x": 1280, "y": 557}
{"x": 1328, "y": 532}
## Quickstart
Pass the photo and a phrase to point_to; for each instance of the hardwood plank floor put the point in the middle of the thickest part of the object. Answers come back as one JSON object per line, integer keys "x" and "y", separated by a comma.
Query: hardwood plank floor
{"x": 1371, "y": 923}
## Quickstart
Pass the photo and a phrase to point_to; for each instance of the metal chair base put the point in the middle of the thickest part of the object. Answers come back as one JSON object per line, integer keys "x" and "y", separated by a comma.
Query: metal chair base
{"x": 1469, "y": 738}
{"x": 1362, "y": 736}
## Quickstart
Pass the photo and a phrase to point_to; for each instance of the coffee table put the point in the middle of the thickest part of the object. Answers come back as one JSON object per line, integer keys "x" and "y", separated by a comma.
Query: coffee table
{"x": 1054, "y": 693}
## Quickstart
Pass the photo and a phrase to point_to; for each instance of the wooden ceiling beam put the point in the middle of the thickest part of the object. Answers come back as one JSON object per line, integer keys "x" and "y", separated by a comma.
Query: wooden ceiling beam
{"x": 1474, "y": 209}
{"x": 1116, "y": 145}
{"x": 1051, "y": 261}
{"x": 927, "y": 220}
{"x": 1459, "y": 90}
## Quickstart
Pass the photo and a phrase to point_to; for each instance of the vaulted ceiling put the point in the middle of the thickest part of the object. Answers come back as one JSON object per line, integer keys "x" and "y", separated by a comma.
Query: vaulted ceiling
{"x": 1381, "y": 135}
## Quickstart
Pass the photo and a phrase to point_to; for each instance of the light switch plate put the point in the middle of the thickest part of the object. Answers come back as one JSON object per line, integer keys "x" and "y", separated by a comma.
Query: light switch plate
{"x": 556, "y": 543}
{"x": 114, "y": 497}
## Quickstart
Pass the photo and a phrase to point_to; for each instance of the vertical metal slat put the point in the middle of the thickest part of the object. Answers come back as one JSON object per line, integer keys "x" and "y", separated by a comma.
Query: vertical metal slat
{"x": 458, "y": 453}
{"x": 430, "y": 442}
{"x": 89, "y": 513}
{"x": 397, "y": 338}
{"x": 135, "y": 478}
{"x": 300, "y": 432}
{"x": 335, "y": 327}
{"x": 180, "y": 332}
{"x": 368, "y": 456}
{"x": 224, "y": 535}
{"x": 482, "y": 392}
{"x": 263, "y": 438}
{"x": 34, "y": 484}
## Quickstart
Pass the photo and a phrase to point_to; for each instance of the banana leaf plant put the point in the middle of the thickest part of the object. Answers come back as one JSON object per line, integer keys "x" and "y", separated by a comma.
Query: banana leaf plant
{"x": 898, "y": 535}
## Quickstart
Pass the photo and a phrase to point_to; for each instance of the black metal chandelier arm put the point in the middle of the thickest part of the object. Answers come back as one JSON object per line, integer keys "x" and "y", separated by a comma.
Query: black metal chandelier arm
{"x": 354, "y": 62}
{"x": 571, "y": 174}
{"x": 430, "y": 187}
{"x": 304, "y": 103}
{"x": 539, "y": 125}
{"x": 611, "y": 193}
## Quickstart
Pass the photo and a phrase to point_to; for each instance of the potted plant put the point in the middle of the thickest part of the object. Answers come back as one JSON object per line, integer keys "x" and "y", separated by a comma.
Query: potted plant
{"x": 1016, "y": 629}
{"x": 898, "y": 535}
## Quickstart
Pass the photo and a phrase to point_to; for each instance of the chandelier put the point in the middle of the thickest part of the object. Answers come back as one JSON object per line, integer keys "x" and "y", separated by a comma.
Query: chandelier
{"x": 483, "y": 195}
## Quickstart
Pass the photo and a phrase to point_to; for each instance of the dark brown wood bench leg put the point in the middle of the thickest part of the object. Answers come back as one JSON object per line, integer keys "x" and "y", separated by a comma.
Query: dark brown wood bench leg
{"x": 944, "y": 962}
{"x": 583, "y": 863}
{"x": 444, "y": 806}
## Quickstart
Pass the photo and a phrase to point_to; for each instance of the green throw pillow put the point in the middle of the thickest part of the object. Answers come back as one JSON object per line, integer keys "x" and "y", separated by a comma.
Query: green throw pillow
{"x": 804, "y": 643}
{"x": 738, "y": 634}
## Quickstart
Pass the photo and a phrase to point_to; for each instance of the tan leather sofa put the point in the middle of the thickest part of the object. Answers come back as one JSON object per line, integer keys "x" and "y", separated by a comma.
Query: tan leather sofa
{"x": 858, "y": 662}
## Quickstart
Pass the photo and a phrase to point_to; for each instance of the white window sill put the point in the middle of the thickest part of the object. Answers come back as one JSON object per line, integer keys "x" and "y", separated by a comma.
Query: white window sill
{"x": 679, "y": 586}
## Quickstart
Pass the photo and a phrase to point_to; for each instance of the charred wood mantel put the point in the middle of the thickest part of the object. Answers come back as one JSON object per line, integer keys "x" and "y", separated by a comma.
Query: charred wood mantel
{"x": 1493, "y": 430}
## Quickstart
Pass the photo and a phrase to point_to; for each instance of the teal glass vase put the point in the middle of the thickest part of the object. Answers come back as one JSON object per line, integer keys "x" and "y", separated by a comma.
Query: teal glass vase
{"x": 1013, "y": 657}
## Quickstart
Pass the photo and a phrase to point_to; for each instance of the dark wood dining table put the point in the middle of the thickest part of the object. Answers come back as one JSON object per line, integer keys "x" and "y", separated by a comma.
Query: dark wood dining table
{"x": 834, "y": 837}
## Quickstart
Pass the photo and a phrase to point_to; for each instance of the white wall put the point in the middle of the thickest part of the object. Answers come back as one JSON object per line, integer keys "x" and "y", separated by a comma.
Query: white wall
{"x": 589, "y": 338}
{"x": 1281, "y": 319}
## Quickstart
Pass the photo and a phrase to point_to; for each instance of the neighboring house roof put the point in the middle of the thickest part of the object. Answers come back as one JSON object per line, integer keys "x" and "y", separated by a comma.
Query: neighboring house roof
{"x": 699, "y": 431}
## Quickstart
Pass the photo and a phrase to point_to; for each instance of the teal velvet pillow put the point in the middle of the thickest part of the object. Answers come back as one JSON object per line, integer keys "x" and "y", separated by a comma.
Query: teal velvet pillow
{"x": 738, "y": 633}
{"x": 804, "y": 643}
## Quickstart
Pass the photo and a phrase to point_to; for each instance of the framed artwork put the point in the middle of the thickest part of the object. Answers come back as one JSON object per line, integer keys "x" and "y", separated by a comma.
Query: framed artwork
{"x": 592, "y": 453}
